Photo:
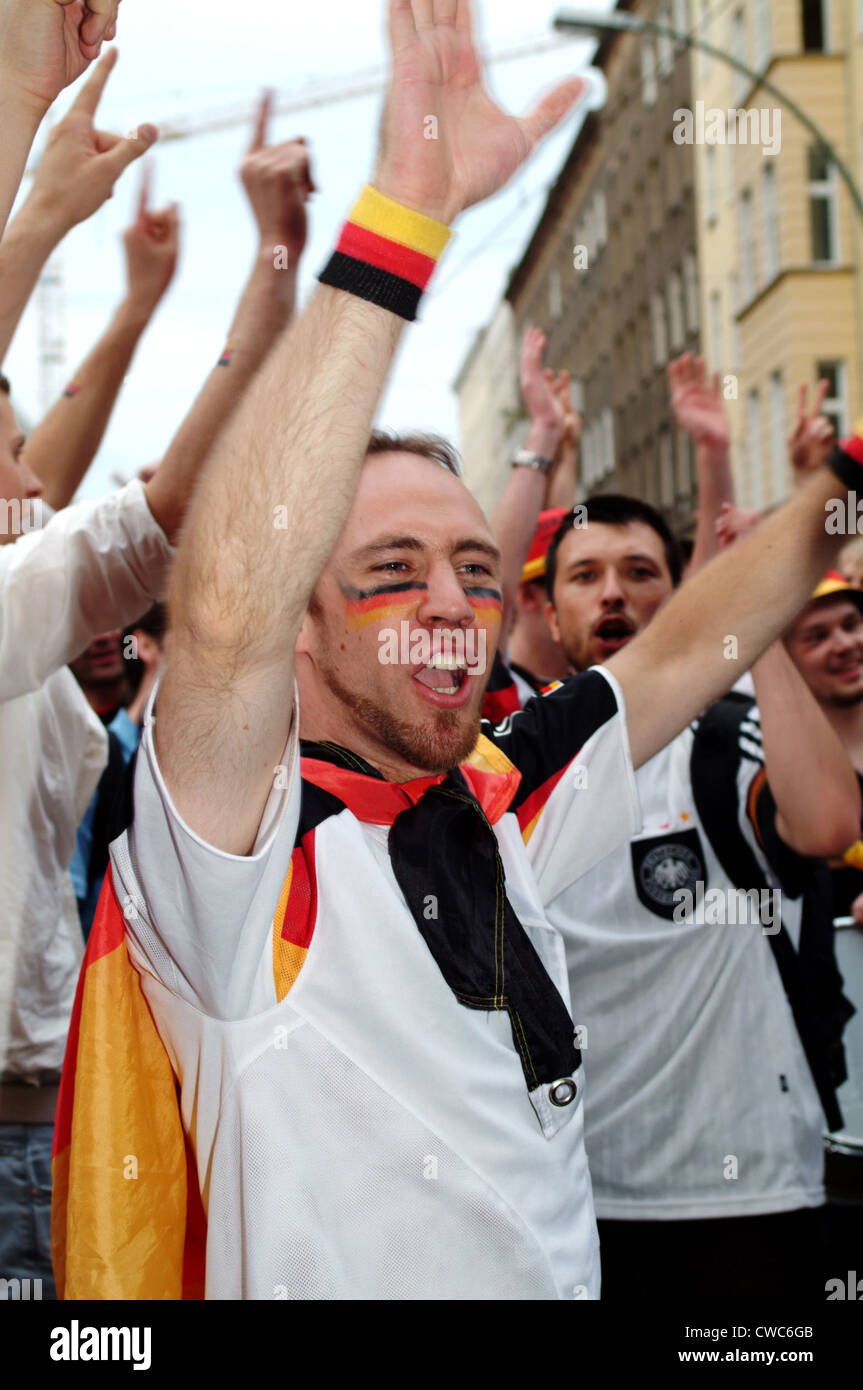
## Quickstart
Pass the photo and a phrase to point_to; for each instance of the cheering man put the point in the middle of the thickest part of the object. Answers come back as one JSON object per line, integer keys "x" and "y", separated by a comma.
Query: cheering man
{"x": 342, "y": 942}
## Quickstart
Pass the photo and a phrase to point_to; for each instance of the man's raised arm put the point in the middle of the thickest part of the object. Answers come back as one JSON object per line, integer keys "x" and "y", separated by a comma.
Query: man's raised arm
{"x": 76, "y": 175}
{"x": 241, "y": 586}
{"x": 44, "y": 46}
{"x": 722, "y": 619}
{"x": 63, "y": 445}
{"x": 278, "y": 182}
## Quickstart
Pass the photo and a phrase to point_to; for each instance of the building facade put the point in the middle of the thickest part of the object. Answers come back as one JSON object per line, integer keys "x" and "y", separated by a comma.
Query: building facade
{"x": 695, "y": 213}
{"x": 610, "y": 274}
{"x": 779, "y": 235}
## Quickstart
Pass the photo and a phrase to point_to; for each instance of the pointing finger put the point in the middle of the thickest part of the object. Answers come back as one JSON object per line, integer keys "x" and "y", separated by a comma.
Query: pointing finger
{"x": 90, "y": 94}
{"x": 262, "y": 123}
{"x": 144, "y": 193}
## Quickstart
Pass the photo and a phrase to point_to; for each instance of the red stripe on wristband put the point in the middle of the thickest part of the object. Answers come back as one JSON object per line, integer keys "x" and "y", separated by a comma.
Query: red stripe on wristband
{"x": 387, "y": 255}
{"x": 853, "y": 447}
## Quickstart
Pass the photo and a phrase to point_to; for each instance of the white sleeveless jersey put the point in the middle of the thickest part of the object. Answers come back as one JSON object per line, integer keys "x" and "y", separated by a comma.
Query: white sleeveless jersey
{"x": 366, "y": 1136}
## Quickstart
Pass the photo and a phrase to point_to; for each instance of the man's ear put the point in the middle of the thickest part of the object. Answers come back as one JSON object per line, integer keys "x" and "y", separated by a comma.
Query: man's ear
{"x": 551, "y": 619}
{"x": 301, "y": 646}
{"x": 531, "y": 597}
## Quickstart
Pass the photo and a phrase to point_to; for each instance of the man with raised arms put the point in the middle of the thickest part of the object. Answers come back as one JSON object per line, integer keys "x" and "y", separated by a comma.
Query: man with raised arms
{"x": 336, "y": 900}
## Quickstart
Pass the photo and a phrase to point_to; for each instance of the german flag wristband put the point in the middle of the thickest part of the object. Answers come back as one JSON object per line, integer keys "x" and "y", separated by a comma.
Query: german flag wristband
{"x": 846, "y": 460}
{"x": 387, "y": 253}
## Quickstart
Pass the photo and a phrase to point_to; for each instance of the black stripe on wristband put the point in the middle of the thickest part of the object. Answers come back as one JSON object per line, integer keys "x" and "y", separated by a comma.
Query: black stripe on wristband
{"x": 846, "y": 468}
{"x": 366, "y": 281}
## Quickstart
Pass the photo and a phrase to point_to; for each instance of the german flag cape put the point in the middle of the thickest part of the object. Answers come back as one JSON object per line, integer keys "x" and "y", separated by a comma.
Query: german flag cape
{"x": 127, "y": 1220}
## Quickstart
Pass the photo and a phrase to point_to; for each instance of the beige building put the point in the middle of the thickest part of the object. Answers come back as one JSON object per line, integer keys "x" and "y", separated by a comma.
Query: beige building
{"x": 779, "y": 237}
{"x": 610, "y": 274}
{"x": 709, "y": 220}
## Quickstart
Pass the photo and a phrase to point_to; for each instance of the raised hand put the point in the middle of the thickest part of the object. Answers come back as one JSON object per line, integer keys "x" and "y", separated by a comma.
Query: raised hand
{"x": 537, "y": 385}
{"x": 561, "y": 385}
{"x": 278, "y": 182}
{"x": 445, "y": 144}
{"x": 813, "y": 435}
{"x": 81, "y": 164}
{"x": 152, "y": 246}
{"x": 697, "y": 403}
{"x": 735, "y": 522}
{"x": 46, "y": 44}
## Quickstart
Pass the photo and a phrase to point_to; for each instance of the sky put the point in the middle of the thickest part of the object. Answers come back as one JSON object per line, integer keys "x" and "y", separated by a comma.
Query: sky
{"x": 206, "y": 56}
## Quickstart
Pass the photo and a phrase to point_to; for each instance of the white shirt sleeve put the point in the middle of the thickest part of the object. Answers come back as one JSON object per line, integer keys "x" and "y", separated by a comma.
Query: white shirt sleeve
{"x": 201, "y": 918}
{"x": 94, "y": 566}
{"x": 578, "y": 799}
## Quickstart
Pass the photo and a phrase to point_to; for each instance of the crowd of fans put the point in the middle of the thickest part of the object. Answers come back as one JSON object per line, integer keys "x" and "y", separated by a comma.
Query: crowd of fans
{"x": 414, "y": 979}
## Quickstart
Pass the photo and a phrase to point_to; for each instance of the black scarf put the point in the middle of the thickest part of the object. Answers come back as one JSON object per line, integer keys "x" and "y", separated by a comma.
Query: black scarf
{"x": 446, "y": 861}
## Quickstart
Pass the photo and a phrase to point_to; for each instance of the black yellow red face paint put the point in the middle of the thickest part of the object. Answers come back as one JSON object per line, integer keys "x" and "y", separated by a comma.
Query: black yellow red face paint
{"x": 391, "y": 602}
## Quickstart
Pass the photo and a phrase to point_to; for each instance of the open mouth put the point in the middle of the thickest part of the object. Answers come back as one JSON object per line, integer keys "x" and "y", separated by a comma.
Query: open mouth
{"x": 614, "y": 631}
{"x": 444, "y": 680}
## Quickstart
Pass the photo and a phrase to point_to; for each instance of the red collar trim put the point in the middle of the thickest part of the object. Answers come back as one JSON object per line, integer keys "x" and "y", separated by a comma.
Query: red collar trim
{"x": 378, "y": 803}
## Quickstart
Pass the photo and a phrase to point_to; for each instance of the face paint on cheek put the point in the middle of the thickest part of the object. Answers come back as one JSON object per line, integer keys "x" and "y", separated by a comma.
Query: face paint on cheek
{"x": 487, "y": 604}
{"x": 385, "y": 603}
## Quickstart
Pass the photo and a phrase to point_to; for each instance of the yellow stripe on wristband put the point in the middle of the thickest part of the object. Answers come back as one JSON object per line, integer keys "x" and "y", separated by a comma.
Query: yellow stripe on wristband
{"x": 376, "y": 213}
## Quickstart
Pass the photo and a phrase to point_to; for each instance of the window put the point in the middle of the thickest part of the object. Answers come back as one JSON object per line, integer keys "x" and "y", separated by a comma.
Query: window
{"x": 690, "y": 282}
{"x": 747, "y": 246}
{"x": 666, "y": 470}
{"x": 762, "y": 33}
{"x": 704, "y": 33}
{"x": 676, "y": 329}
{"x": 648, "y": 73}
{"x": 835, "y": 405}
{"x": 823, "y": 221}
{"x": 680, "y": 13}
{"x": 753, "y": 450}
{"x": 658, "y": 330}
{"x": 778, "y": 454}
{"x": 771, "y": 221}
{"x": 733, "y": 311}
{"x": 730, "y": 153}
{"x": 608, "y": 438}
{"x": 601, "y": 219}
{"x": 555, "y": 295}
{"x": 684, "y": 464}
{"x": 738, "y": 51}
{"x": 710, "y": 182}
{"x": 664, "y": 43}
{"x": 813, "y": 19}
{"x": 715, "y": 331}
{"x": 587, "y": 455}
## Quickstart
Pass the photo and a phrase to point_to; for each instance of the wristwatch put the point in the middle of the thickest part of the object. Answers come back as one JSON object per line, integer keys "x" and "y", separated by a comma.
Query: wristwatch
{"x": 525, "y": 459}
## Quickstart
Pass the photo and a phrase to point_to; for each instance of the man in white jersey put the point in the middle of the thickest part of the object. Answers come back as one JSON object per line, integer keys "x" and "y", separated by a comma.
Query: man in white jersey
{"x": 343, "y": 941}
{"x": 706, "y": 1010}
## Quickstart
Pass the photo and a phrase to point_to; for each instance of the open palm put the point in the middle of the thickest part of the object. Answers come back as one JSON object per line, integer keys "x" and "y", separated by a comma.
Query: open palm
{"x": 446, "y": 144}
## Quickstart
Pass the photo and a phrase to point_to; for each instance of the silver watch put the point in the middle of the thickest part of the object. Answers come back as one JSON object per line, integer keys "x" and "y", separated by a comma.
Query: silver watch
{"x": 525, "y": 459}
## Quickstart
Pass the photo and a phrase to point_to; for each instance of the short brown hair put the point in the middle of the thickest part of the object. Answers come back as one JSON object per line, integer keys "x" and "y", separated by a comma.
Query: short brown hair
{"x": 427, "y": 446}
{"x": 4, "y": 385}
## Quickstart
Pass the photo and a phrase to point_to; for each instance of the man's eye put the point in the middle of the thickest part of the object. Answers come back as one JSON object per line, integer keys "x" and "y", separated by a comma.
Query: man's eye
{"x": 640, "y": 573}
{"x": 475, "y": 567}
{"x": 391, "y": 567}
{"x": 584, "y": 576}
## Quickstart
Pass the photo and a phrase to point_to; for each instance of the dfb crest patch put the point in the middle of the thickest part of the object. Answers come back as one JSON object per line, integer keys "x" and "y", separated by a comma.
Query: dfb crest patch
{"x": 663, "y": 865}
